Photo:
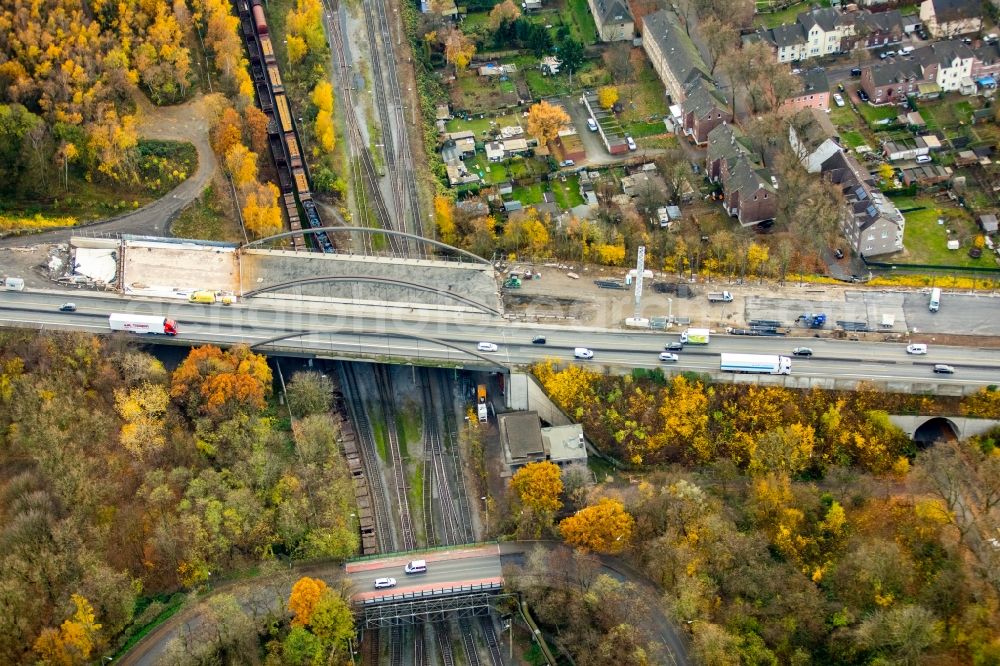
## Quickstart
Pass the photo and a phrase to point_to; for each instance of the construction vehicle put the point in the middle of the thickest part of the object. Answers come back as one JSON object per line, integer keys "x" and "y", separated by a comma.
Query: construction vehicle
{"x": 512, "y": 282}
{"x": 481, "y": 403}
{"x": 812, "y": 320}
{"x": 481, "y": 393}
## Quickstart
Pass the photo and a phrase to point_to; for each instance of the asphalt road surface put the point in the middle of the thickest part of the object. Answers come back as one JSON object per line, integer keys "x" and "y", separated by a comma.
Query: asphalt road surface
{"x": 445, "y": 569}
{"x": 341, "y": 330}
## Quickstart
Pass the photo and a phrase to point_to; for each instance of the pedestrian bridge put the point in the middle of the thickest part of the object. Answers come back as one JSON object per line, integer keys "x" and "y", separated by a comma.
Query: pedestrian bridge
{"x": 925, "y": 429}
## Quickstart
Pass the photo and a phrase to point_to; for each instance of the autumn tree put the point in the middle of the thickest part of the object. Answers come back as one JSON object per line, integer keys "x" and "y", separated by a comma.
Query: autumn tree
{"x": 256, "y": 125}
{"x": 545, "y": 120}
{"x": 538, "y": 486}
{"x": 720, "y": 38}
{"x": 458, "y": 49}
{"x": 304, "y": 23}
{"x": 322, "y": 98}
{"x": 444, "y": 217}
{"x": 527, "y": 232}
{"x": 113, "y": 139}
{"x": 215, "y": 382}
{"x": 304, "y": 599}
{"x": 142, "y": 410}
{"x": 605, "y": 527}
{"x": 309, "y": 392}
{"x": 504, "y": 12}
{"x": 242, "y": 166}
{"x": 163, "y": 64}
{"x": 261, "y": 211}
{"x": 607, "y": 96}
{"x": 73, "y": 641}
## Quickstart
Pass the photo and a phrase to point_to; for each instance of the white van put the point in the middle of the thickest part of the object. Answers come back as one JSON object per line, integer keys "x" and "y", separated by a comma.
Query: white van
{"x": 415, "y": 567}
{"x": 906, "y": 50}
{"x": 935, "y": 303}
{"x": 582, "y": 352}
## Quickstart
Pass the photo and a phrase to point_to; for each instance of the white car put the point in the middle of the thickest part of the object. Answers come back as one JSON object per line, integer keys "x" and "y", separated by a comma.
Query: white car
{"x": 592, "y": 124}
{"x": 381, "y": 583}
{"x": 631, "y": 143}
{"x": 838, "y": 99}
{"x": 486, "y": 347}
{"x": 916, "y": 349}
{"x": 582, "y": 352}
{"x": 667, "y": 356}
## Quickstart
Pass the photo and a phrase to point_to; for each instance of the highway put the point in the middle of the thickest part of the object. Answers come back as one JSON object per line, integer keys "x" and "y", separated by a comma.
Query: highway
{"x": 349, "y": 331}
{"x": 453, "y": 567}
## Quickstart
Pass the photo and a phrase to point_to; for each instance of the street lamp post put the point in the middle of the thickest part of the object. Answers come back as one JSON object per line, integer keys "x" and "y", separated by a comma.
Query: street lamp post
{"x": 486, "y": 503}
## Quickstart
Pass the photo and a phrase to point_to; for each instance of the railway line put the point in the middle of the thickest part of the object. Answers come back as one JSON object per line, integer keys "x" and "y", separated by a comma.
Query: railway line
{"x": 443, "y": 637}
{"x": 469, "y": 642}
{"x": 364, "y": 171}
{"x": 489, "y": 631}
{"x": 387, "y": 400}
{"x": 282, "y": 136}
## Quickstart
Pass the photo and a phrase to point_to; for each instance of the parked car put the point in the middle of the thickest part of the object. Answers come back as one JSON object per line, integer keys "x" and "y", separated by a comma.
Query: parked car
{"x": 863, "y": 95}
{"x": 631, "y": 143}
{"x": 916, "y": 349}
{"x": 567, "y": 163}
{"x": 674, "y": 346}
{"x": 943, "y": 369}
{"x": 802, "y": 351}
{"x": 838, "y": 100}
{"x": 538, "y": 340}
{"x": 67, "y": 307}
{"x": 486, "y": 347}
{"x": 668, "y": 357}
{"x": 592, "y": 124}
{"x": 838, "y": 253}
{"x": 923, "y": 159}
{"x": 856, "y": 72}
{"x": 381, "y": 583}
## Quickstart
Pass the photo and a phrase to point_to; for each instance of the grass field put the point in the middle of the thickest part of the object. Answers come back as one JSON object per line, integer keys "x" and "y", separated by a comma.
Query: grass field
{"x": 205, "y": 219}
{"x": 484, "y": 124}
{"x": 852, "y": 139}
{"x": 874, "y": 114}
{"x": 787, "y": 15}
{"x": 926, "y": 240}
{"x": 586, "y": 30}
{"x": 567, "y": 194}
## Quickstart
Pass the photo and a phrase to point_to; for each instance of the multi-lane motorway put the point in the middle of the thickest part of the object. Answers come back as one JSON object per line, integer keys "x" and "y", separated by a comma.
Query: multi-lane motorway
{"x": 452, "y": 568}
{"x": 333, "y": 330}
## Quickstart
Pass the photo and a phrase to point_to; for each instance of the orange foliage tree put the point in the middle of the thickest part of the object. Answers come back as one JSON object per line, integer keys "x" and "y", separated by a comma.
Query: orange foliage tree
{"x": 605, "y": 527}
{"x": 73, "y": 641}
{"x": 538, "y": 486}
{"x": 219, "y": 383}
{"x": 305, "y": 597}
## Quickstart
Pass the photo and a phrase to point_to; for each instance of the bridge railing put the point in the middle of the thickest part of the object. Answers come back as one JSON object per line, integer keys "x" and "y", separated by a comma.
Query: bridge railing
{"x": 437, "y": 592}
{"x": 435, "y": 549}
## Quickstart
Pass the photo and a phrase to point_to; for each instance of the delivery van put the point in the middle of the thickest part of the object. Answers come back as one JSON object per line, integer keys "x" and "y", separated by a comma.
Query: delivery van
{"x": 416, "y": 566}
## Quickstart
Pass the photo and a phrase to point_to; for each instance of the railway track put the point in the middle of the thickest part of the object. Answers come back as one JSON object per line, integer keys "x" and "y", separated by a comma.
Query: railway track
{"x": 369, "y": 655}
{"x": 387, "y": 398}
{"x": 396, "y": 646}
{"x": 366, "y": 445}
{"x": 469, "y": 642}
{"x": 443, "y": 637}
{"x": 489, "y": 631}
{"x": 419, "y": 648}
{"x": 452, "y": 531}
{"x": 365, "y": 169}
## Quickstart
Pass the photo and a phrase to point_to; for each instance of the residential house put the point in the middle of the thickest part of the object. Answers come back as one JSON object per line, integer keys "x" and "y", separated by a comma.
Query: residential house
{"x": 949, "y": 18}
{"x": 870, "y": 221}
{"x": 815, "y": 92}
{"x": 873, "y": 30}
{"x": 642, "y": 181}
{"x": 531, "y": 5}
{"x": 813, "y": 138}
{"x": 498, "y": 151}
{"x": 704, "y": 109}
{"x": 614, "y": 20}
{"x": 494, "y": 151}
{"x": 459, "y": 174}
{"x": 464, "y": 143}
{"x": 986, "y": 63}
{"x": 941, "y": 66}
{"x": 674, "y": 56}
{"x": 750, "y": 193}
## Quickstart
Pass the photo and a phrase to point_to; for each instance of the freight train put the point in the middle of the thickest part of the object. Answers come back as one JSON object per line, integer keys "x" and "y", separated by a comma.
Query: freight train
{"x": 293, "y": 180}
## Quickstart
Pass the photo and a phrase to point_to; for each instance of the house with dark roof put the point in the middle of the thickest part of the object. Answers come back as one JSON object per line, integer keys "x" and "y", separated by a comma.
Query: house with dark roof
{"x": 674, "y": 56}
{"x": 950, "y": 18}
{"x": 872, "y": 30}
{"x": 813, "y": 138}
{"x": 613, "y": 18}
{"x": 704, "y": 109}
{"x": 814, "y": 94}
{"x": 827, "y": 31}
{"x": 749, "y": 191}
{"x": 940, "y": 66}
{"x": 870, "y": 221}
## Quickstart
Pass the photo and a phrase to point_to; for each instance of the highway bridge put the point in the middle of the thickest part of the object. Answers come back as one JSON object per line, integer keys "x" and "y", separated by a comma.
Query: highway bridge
{"x": 448, "y": 339}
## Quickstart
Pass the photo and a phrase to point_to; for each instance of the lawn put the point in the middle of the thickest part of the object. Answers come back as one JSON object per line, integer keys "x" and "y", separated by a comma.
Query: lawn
{"x": 926, "y": 240}
{"x": 786, "y": 15}
{"x": 483, "y": 122}
{"x": 644, "y": 129}
{"x": 585, "y": 29}
{"x": 843, "y": 116}
{"x": 529, "y": 194}
{"x": 852, "y": 139}
{"x": 874, "y": 114}
{"x": 945, "y": 113}
{"x": 568, "y": 193}
{"x": 206, "y": 219}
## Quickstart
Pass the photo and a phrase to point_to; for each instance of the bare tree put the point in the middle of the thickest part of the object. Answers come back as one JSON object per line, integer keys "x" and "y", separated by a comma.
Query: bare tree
{"x": 719, "y": 37}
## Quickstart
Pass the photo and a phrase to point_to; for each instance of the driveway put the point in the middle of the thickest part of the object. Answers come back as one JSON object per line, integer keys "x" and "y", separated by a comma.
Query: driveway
{"x": 184, "y": 122}
{"x": 597, "y": 154}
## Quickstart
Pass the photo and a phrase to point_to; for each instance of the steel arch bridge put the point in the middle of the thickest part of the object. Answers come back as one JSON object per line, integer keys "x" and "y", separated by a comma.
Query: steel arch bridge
{"x": 374, "y": 280}
{"x": 369, "y": 230}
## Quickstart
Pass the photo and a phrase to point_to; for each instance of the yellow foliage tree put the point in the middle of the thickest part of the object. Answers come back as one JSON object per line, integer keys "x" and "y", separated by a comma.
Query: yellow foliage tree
{"x": 609, "y": 255}
{"x": 607, "y": 96}
{"x": 324, "y": 131}
{"x": 505, "y": 12}
{"x": 757, "y": 256}
{"x": 545, "y": 120}
{"x": 305, "y": 596}
{"x": 685, "y": 423}
{"x": 538, "y": 486}
{"x": 458, "y": 49}
{"x": 261, "y": 212}
{"x": 142, "y": 409}
{"x": 296, "y": 49}
{"x": 241, "y": 165}
{"x": 73, "y": 641}
{"x": 527, "y": 232}
{"x": 605, "y": 527}
{"x": 444, "y": 215}
{"x": 571, "y": 388}
{"x": 886, "y": 172}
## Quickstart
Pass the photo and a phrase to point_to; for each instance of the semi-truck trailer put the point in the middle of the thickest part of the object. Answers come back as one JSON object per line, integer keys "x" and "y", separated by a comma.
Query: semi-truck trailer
{"x": 696, "y": 336}
{"x": 142, "y": 324}
{"x": 759, "y": 364}
{"x": 720, "y": 297}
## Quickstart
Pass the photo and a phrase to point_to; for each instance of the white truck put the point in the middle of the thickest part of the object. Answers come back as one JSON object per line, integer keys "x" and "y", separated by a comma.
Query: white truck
{"x": 696, "y": 336}
{"x": 142, "y": 324}
{"x": 720, "y": 297}
{"x": 13, "y": 284}
{"x": 758, "y": 364}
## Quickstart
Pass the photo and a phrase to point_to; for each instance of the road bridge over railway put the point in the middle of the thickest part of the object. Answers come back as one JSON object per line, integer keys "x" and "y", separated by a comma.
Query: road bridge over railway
{"x": 460, "y": 581}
